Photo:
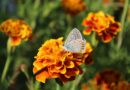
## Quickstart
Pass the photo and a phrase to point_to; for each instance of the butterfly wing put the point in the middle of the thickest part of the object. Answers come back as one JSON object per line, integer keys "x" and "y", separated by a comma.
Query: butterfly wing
{"x": 75, "y": 42}
{"x": 76, "y": 46}
{"x": 73, "y": 35}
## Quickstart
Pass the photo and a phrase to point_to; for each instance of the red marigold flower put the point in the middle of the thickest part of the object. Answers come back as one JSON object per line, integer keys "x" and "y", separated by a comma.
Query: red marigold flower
{"x": 92, "y": 85}
{"x": 107, "y": 79}
{"x": 108, "y": 76}
{"x": 17, "y": 30}
{"x": 97, "y": 21}
{"x": 122, "y": 85}
{"x": 102, "y": 24}
{"x": 73, "y": 7}
{"x": 52, "y": 61}
{"x": 110, "y": 32}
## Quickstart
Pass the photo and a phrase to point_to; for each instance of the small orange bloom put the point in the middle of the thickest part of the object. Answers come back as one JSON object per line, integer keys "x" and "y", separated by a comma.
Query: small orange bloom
{"x": 122, "y": 85}
{"x": 92, "y": 85}
{"x": 107, "y": 79}
{"x": 108, "y": 76}
{"x": 17, "y": 30}
{"x": 52, "y": 61}
{"x": 102, "y": 24}
{"x": 73, "y": 7}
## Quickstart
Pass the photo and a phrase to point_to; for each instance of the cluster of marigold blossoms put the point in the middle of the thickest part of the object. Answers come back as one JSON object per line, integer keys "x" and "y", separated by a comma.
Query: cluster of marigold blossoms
{"x": 17, "y": 30}
{"x": 108, "y": 79}
{"x": 104, "y": 25}
{"x": 73, "y": 7}
{"x": 52, "y": 61}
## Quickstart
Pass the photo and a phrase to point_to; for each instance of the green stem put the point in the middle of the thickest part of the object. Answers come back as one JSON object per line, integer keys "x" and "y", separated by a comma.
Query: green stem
{"x": 94, "y": 40}
{"x": 57, "y": 87}
{"x": 76, "y": 82}
{"x": 123, "y": 17}
{"x": 8, "y": 61}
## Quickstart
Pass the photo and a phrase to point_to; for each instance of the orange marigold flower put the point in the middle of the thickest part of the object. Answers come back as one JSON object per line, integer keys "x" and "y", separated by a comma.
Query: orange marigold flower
{"x": 17, "y": 30}
{"x": 107, "y": 79}
{"x": 97, "y": 22}
{"x": 73, "y": 7}
{"x": 122, "y": 85}
{"x": 102, "y": 24}
{"x": 108, "y": 76}
{"x": 52, "y": 61}
{"x": 92, "y": 85}
{"x": 110, "y": 32}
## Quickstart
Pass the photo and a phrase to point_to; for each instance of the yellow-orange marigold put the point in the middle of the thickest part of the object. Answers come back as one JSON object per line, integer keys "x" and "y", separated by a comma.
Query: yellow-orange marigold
{"x": 102, "y": 24}
{"x": 52, "y": 61}
{"x": 17, "y": 30}
{"x": 73, "y": 7}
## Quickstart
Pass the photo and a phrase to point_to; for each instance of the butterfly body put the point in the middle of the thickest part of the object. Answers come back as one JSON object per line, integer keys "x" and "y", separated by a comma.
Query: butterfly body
{"x": 75, "y": 42}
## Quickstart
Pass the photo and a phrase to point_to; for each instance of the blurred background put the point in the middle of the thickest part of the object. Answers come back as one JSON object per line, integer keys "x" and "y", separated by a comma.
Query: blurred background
{"x": 56, "y": 18}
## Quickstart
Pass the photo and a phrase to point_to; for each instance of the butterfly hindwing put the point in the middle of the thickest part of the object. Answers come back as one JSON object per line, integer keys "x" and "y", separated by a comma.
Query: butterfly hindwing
{"x": 76, "y": 46}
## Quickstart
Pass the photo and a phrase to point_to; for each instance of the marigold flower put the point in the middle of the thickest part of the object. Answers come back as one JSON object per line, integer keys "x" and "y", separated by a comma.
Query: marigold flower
{"x": 122, "y": 85}
{"x": 52, "y": 61}
{"x": 73, "y": 7}
{"x": 110, "y": 32}
{"x": 92, "y": 85}
{"x": 17, "y": 30}
{"x": 102, "y": 24}
{"x": 108, "y": 76}
{"x": 107, "y": 79}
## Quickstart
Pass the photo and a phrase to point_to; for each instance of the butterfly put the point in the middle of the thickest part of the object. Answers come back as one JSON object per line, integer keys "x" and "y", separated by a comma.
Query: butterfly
{"x": 75, "y": 42}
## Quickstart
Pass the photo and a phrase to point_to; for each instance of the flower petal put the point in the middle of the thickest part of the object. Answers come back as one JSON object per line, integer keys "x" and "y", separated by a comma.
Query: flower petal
{"x": 42, "y": 76}
{"x": 15, "y": 41}
{"x": 87, "y": 31}
{"x": 69, "y": 64}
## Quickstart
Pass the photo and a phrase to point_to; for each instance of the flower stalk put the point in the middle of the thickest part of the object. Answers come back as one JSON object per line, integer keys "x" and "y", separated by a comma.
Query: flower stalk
{"x": 8, "y": 61}
{"x": 58, "y": 87}
{"x": 76, "y": 82}
{"x": 123, "y": 17}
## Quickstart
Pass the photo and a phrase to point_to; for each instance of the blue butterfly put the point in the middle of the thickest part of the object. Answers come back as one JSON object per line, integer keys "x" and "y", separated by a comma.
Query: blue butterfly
{"x": 75, "y": 42}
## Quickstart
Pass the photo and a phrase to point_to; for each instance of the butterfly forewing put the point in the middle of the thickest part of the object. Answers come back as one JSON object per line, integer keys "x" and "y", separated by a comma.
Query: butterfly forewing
{"x": 73, "y": 35}
{"x": 75, "y": 42}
